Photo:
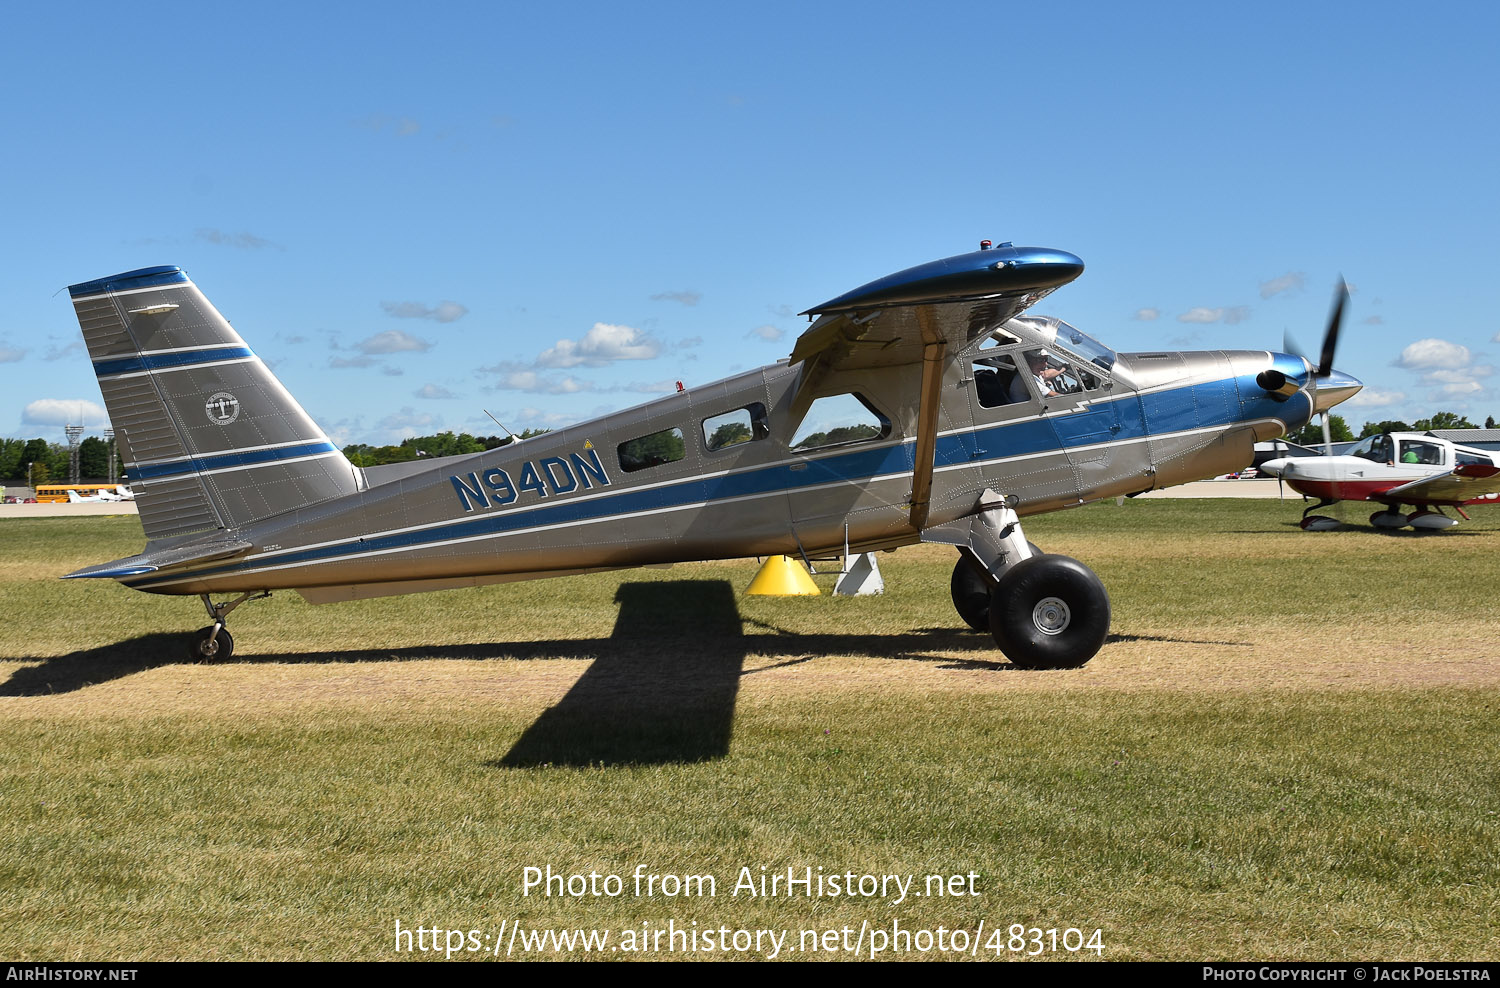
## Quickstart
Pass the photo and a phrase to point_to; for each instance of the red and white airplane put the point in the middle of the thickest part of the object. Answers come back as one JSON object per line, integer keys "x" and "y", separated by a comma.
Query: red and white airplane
{"x": 1394, "y": 469}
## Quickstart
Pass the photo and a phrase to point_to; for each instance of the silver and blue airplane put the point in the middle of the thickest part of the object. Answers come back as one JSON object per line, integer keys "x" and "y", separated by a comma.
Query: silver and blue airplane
{"x": 926, "y": 406}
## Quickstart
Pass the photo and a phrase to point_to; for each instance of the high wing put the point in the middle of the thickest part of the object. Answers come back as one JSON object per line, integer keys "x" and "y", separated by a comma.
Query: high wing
{"x": 1457, "y": 486}
{"x": 921, "y": 315}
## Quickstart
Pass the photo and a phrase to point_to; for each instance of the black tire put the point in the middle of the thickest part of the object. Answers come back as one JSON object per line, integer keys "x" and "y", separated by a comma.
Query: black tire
{"x": 199, "y": 649}
{"x": 1049, "y": 612}
{"x": 971, "y": 589}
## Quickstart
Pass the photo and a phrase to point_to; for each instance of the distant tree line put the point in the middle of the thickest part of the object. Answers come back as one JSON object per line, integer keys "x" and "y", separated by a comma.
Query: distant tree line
{"x": 442, "y": 444}
{"x": 1311, "y": 434}
{"x": 49, "y": 461}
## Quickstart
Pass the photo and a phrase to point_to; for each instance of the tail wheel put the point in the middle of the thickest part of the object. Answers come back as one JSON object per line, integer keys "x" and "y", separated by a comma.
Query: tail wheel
{"x": 207, "y": 647}
{"x": 970, "y": 589}
{"x": 1049, "y": 612}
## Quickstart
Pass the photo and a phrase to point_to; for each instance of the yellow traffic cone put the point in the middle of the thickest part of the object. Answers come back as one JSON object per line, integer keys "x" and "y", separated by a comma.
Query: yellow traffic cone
{"x": 783, "y": 576}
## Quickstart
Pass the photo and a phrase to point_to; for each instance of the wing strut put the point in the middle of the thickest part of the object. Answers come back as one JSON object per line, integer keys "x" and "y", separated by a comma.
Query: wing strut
{"x": 934, "y": 349}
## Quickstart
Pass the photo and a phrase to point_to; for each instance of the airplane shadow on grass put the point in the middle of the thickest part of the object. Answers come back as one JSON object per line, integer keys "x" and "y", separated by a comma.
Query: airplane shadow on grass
{"x": 660, "y": 689}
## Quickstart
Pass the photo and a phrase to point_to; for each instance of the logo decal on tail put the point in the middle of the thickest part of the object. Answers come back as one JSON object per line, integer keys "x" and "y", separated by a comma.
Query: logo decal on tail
{"x": 222, "y": 408}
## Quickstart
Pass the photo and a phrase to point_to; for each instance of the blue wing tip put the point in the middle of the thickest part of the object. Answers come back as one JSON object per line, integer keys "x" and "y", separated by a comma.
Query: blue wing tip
{"x": 166, "y": 274}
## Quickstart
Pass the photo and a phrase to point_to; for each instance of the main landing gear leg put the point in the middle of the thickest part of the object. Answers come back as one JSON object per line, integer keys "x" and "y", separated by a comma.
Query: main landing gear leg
{"x": 1318, "y": 523}
{"x": 1044, "y": 611}
{"x": 214, "y": 643}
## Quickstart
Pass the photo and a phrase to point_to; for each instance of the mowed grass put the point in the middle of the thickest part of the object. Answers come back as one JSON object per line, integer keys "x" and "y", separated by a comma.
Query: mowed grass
{"x": 1286, "y": 750}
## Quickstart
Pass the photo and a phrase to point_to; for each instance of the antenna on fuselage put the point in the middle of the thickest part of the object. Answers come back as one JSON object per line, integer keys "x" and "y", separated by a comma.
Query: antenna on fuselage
{"x": 513, "y": 437}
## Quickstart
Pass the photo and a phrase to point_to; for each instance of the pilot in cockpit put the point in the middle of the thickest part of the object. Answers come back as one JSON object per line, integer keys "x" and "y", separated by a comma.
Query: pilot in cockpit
{"x": 1036, "y": 363}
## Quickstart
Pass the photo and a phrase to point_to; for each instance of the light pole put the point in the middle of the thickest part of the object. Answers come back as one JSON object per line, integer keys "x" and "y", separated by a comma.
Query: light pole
{"x": 28, "y": 480}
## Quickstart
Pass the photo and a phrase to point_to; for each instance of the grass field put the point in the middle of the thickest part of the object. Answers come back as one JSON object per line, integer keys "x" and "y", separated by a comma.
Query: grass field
{"x": 1287, "y": 749}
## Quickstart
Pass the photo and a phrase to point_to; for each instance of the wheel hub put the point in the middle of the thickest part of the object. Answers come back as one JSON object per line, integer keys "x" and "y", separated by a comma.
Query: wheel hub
{"x": 1051, "y": 616}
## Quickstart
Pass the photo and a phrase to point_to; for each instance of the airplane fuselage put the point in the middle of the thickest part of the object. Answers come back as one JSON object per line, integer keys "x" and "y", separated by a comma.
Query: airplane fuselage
{"x": 564, "y": 502}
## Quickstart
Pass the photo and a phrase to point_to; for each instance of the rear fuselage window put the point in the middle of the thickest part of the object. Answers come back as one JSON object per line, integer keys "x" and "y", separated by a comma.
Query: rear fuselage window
{"x": 838, "y": 420}
{"x": 732, "y": 428}
{"x": 661, "y": 447}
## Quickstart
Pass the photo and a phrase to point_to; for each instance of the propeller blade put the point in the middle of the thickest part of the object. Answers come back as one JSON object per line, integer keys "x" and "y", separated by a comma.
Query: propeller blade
{"x": 1327, "y": 436}
{"x": 1331, "y": 336}
{"x": 1290, "y": 345}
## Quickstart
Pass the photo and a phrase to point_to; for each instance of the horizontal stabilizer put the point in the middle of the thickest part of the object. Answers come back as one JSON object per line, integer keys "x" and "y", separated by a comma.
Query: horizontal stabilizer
{"x": 165, "y": 558}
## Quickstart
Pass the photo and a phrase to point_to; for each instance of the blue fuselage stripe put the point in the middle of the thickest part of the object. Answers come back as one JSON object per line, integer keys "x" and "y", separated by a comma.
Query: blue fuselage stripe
{"x": 1206, "y": 405}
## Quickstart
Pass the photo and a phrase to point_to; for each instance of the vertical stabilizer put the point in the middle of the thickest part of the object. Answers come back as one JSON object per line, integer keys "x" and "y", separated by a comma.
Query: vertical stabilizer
{"x": 209, "y": 436}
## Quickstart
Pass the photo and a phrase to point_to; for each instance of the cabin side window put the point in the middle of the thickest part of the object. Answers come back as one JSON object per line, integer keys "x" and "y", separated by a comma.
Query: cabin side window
{"x": 840, "y": 420}
{"x": 666, "y": 446}
{"x": 1427, "y": 454}
{"x": 997, "y": 382}
{"x": 742, "y": 425}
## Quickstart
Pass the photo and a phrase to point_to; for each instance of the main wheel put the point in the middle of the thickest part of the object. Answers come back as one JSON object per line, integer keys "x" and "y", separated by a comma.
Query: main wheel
{"x": 970, "y": 589}
{"x": 1049, "y": 612}
{"x": 204, "y": 647}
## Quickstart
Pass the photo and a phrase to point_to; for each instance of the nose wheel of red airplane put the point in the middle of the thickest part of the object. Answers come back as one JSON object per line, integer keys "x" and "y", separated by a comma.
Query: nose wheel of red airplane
{"x": 970, "y": 588}
{"x": 1049, "y": 612}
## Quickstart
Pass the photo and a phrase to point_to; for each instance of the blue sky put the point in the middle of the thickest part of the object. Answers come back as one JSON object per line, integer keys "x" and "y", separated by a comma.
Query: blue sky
{"x": 547, "y": 211}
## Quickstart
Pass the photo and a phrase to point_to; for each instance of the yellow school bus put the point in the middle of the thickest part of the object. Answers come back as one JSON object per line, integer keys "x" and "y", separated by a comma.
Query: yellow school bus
{"x": 58, "y": 493}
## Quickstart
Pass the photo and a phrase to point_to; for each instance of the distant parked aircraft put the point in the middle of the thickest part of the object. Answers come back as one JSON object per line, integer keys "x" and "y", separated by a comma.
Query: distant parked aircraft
{"x": 1394, "y": 469}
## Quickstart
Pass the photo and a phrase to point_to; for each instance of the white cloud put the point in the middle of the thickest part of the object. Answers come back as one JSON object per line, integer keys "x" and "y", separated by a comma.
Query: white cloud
{"x": 535, "y": 418}
{"x": 1375, "y": 398}
{"x": 63, "y": 411}
{"x": 1457, "y": 389}
{"x": 352, "y": 361}
{"x": 248, "y": 241}
{"x": 62, "y": 352}
{"x": 662, "y": 387}
{"x": 1433, "y": 353}
{"x": 1147, "y": 314}
{"x": 534, "y": 383}
{"x": 1201, "y": 314}
{"x": 1374, "y": 321}
{"x": 409, "y": 422}
{"x": 445, "y": 311}
{"x": 10, "y": 354}
{"x": 768, "y": 333}
{"x": 392, "y": 341}
{"x": 1292, "y": 281}
{"x": 402, "y": 126}
{"x": 434, "y": 391}
{"x": 1458, "y": 376}
{"x": 1229, "y": 316}
{"x": 601, "y": 345}
{"x": 686, "y": 298}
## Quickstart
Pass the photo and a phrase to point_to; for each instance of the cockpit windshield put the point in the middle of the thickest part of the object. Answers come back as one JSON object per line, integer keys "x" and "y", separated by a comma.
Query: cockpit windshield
{"x": 1068, "y": 338}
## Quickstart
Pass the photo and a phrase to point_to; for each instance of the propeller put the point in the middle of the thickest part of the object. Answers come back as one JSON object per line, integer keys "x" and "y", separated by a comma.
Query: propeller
{"x": 1338, "y": 388}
